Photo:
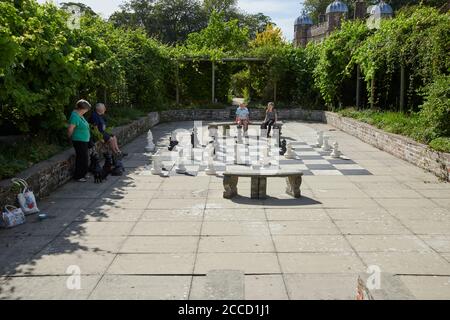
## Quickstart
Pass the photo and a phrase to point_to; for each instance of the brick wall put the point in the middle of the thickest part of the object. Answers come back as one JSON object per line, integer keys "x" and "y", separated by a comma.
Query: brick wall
{"x": 399, "y": 146}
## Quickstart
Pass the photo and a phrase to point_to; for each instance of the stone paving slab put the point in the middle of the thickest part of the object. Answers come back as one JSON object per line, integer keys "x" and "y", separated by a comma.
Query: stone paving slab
{"x": 147, "y": 237}
{"x": 112, "y": 287}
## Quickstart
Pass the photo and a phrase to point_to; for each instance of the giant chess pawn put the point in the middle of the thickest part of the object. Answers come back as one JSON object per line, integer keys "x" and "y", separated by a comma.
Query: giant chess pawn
{"x": 336, "y": 153}
{"x": 156, "y": 165}
{"x": 319, "y": 143}
{"x": 181, "y": 168}
{"x": 150, "y": 145}
{"x": 290, "y": 154}
{"x": 326, "y": 145}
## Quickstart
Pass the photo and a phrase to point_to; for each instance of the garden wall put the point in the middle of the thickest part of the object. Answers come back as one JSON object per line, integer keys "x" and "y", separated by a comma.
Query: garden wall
{"x": 399, "y": 146}
{"x": 50, "y": 174}
{"x": 229, "y": 114}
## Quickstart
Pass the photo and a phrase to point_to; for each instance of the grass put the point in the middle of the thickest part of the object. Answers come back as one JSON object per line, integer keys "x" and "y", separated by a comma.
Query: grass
{"x": 21, "y": 155}
{"x": 404, "y": 124}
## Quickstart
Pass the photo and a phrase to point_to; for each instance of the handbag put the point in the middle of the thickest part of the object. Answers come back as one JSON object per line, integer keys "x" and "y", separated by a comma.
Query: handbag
{"x": 12, "y": 218}
{"x": 26, "y": 198}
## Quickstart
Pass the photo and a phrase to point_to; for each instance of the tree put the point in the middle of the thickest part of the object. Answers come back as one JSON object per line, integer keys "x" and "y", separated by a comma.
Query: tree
{"x": 170, "y": 21}
{"x": 272, "y": 36}
{"x": 219, "y": 36}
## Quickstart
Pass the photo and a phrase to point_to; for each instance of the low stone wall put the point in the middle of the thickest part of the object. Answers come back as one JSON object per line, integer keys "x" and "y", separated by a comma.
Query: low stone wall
{"x": 229, "y": 114}
{"x": 399, "y": 146}
{"x": 50, "y": 174}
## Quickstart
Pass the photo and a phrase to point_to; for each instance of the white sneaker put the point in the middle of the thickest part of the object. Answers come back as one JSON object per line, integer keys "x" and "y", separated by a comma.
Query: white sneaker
{"x": 82, "y": 180}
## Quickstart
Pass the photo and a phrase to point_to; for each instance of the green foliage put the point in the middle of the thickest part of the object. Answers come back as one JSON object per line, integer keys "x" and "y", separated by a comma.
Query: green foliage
{"x": 419, "y": 39}
{"x": 41, "y": 73}
{"x": 23, "y": 154}
{"x": 335, "y": 60}
{"x": 218, "y": 38}
{"x": 435, "y": 112}
{"x": 410, "y": 125}
{"x": 441, "y": 144}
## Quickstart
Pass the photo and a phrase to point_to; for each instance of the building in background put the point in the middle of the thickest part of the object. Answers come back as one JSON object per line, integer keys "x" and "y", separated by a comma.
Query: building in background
{"x": 305, "y": 31}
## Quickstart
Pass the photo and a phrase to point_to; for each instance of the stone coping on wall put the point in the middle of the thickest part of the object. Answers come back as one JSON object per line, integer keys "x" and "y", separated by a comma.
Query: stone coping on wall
{"x": 229, "y": 114}
{"x": 402, "y": 147}
{"x": 46, "y": 176}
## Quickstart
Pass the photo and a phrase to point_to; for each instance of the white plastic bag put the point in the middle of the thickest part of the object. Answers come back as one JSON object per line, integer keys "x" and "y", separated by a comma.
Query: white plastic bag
{"x": 26, "y": 198}
{"x": 12, "y": 217}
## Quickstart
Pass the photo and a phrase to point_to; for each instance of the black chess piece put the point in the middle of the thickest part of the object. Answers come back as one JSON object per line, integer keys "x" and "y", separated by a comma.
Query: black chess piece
{"x": 172, "y": 144}
{"x": 283, "y": 148}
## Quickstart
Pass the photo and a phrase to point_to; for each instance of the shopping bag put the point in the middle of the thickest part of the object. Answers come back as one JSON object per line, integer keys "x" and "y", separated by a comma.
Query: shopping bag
{"x": 12, "y": 217}
{"x": 26, "y": 198}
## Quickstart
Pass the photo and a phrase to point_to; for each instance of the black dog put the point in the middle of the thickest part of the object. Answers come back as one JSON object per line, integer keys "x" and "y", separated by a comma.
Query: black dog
{"x": 108, "y": 166}
{"x": 118, "y": 169}
{"x": 283, "y": 148}
{"x": 96, "y": 169}
{"x": 172, "y": 144}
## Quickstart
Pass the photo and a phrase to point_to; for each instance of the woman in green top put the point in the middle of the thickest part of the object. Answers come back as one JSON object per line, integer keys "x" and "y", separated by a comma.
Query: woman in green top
{"x": 78, "y": 131}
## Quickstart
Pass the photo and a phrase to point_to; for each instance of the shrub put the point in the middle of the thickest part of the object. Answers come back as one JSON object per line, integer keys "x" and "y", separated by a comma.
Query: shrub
{"x": 435, "y": 112}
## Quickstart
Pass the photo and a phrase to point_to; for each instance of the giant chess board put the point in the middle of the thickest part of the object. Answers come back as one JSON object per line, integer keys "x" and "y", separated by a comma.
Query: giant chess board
{"x": 311, "y": 160}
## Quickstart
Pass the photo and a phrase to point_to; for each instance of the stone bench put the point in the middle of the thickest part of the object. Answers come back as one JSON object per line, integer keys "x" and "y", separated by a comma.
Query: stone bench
{"x": 259, "y": 182}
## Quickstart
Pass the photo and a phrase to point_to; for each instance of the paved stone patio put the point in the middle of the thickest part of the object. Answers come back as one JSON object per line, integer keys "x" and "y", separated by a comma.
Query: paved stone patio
{"x": 147, "y": 237}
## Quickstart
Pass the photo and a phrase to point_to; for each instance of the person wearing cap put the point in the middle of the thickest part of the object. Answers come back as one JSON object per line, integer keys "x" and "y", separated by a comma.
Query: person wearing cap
{"x": 78, "y": 132}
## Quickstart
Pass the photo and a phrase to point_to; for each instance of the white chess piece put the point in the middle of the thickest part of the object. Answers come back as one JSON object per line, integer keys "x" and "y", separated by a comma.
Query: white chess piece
{"x": 210, "y": 170}
{"x": 181, "y": 168}
{"x": 156, "y": 165}
{"x": 239, "y": 135}
{"x": 150, "y": 145}
{"x": 290, "y": 152}
{"x": 239, "y": 154}
{"x": 319, "y": 139}
{"x": 336, "y": 153}
{"x": 196, "y": 140}
{"x": 265, "y": 157}
{"x": 326, "y": 145}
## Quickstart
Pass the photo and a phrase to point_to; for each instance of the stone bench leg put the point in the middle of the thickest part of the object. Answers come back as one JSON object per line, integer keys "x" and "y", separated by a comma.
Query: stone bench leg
{"x": 293, "y": 186}
{"x": 258, "y": 188}
{"x": 230, "y": 185}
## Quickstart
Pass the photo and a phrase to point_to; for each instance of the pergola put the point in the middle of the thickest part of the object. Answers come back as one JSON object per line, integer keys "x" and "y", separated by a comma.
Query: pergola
{"x": 213, "y": 80}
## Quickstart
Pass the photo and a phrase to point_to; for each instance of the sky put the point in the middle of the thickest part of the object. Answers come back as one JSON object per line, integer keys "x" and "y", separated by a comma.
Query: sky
{"x": 282, "y": 12}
